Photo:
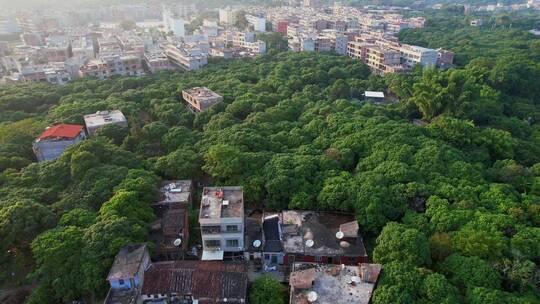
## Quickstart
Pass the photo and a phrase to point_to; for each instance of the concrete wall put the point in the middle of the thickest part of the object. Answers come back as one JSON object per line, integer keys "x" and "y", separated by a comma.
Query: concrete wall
{"x": 46, "y": 150}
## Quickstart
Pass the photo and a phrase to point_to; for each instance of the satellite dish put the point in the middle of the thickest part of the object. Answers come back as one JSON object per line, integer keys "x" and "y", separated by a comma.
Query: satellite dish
{"x": 312, "y": 296}
{"x": 356, "y": 279}
{"x": 310, "y": 243}
{"x": 340, "y": 235}
{"x": 257, "y": 243}
{"x": 177, "y": 242}
{"x": 344, "y": 244}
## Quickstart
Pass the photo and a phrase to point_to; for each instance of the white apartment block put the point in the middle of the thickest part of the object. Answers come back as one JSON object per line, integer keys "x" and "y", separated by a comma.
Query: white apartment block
{"x": 222, "y": 221}
{"x": 412, "y": 55}
{"x": 227, "y": 16}
{"x": 82, "y": 47}
{"x": 174, "y": 24}
{"x": 57, "y": 75}
{"x": 187, "y": 59}
{"x": 103, "y": 118}
{"x": 247, "y": 41}
{"x": 156, "y": 61}
{"x": 258, "y": 23}
{"x": 110, "y": 65}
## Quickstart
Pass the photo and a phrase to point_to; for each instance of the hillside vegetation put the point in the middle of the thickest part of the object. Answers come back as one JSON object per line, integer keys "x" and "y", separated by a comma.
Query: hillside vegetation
{"x": 451, "y": 206}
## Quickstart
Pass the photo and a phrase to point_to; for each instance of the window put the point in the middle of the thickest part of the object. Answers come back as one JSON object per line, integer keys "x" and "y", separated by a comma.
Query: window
{"x": 232, "y": 228}
{"x": 210, "y": 229}
{"x": 121, "y": 282}
{"x": 212, "y": 243}
{"x": 232, "y": 243}
{"x": 318, "y": 259}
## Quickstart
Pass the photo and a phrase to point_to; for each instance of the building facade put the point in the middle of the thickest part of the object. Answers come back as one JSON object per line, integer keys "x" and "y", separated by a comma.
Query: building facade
{"x": 222, "y": 221}
{"x": 55, "y": 140}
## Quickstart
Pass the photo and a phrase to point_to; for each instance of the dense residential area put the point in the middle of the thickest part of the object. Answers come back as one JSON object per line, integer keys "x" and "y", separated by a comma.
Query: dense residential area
{"x": 270, "y": 152}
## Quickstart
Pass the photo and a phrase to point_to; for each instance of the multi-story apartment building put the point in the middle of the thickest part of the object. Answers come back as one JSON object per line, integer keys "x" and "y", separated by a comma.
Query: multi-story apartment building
{"x": 156, "y": 60}
{"x": 129, "y": 42}
{"x": 56, "y": 53}
{"x": 57, "y": 74}
{"x": 32, "y": 39}
{"x": 337, "y": 41}
{"x": 222, "y": 221}
{"x": 95, "y": 68}
{"x": 323, "y": 44}
{"x": 240, "y": 38}
{"x": 82, "y": 47}
{"x": 111, "y": 65}
{"x": 28, "y": 24}
{"x": 174, "y": 24}
{"x": 8, "y": 26}
{"x": 358, "y": 49}
{"x": 227, "y": 16}
{"x": 4, "y": 48}
{"x": 383, "y": 61}
{"x": 200, "y": 98}
{"x": 258, "y": 23}
{"x": 187, "y": 59}
{"x": 412, "y": 55}
{"x": 109, "y": 45}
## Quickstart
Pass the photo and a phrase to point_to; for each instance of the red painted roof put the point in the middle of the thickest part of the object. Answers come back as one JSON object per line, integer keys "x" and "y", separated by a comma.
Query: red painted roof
{"x": 61, "y": 131}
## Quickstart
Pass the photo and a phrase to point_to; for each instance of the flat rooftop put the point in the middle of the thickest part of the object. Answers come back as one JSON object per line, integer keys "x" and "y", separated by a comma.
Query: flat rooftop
{"x": 174, "y": 192}
{"x": 333, "y": 283}
{"x": 202, "y": 93}
{"x": 209, "y": 281}
{"x": 127, "y": 262}
{"x": 222, "y": 202}
{"x": 316, "y": 234}
{"x": 104, "y": 117}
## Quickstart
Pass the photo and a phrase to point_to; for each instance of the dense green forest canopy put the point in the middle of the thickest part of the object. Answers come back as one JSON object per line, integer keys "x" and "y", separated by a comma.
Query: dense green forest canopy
{"x": 502, "y": 34}
{"x": 450, "y": 204}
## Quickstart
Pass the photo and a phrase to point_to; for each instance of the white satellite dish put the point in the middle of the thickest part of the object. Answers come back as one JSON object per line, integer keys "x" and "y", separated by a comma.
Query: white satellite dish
{"x": 312, "y": 296}
{"x": 310, "y": 243}
{"x": 356, "y": 279}
{"x": 344, "y": 244}
{"x": 340, "y": 235}
{"x": 257, "y": 243}
{"x": 177, "y": 242}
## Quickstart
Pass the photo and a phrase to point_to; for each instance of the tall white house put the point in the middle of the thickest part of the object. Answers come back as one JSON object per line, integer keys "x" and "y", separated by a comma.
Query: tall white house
{"x": 258, "y": 23}
{"x": 174, "y": 23}
{"x": 227, "y": 16}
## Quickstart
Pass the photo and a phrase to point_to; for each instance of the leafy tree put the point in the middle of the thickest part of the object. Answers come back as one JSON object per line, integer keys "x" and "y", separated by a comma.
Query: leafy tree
{"x": 22, "y": 221}
{"x": 267, "y": 290}
{"x": 399, "y": 243}
{"x": 58, "y": 256}
{"x": 180, "y": 164}
{"x": 470, "y": 272}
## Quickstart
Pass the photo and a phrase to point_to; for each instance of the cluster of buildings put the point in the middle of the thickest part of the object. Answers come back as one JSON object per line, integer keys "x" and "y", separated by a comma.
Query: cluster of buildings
{"x": 320, "y": 255}
{"x": 497, "y": 7}
{"x": 368, "y": 35}
{"x": 50, "y": 144}
{"x": 56, "y": 51}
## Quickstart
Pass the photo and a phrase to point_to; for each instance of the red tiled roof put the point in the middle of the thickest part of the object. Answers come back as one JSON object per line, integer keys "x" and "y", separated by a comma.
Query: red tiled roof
{"x": 207, "y": 281}
{"x": 61, "y": 131}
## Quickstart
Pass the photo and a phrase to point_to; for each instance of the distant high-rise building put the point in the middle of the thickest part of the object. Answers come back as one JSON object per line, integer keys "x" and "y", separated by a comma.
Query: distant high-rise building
{"x": 258, "y": 23}
{"x": 227, "y": 16}
{"x": 174, "y": 24}
{"x": 311, "y": 3}
{"x": 8, "y": 26}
